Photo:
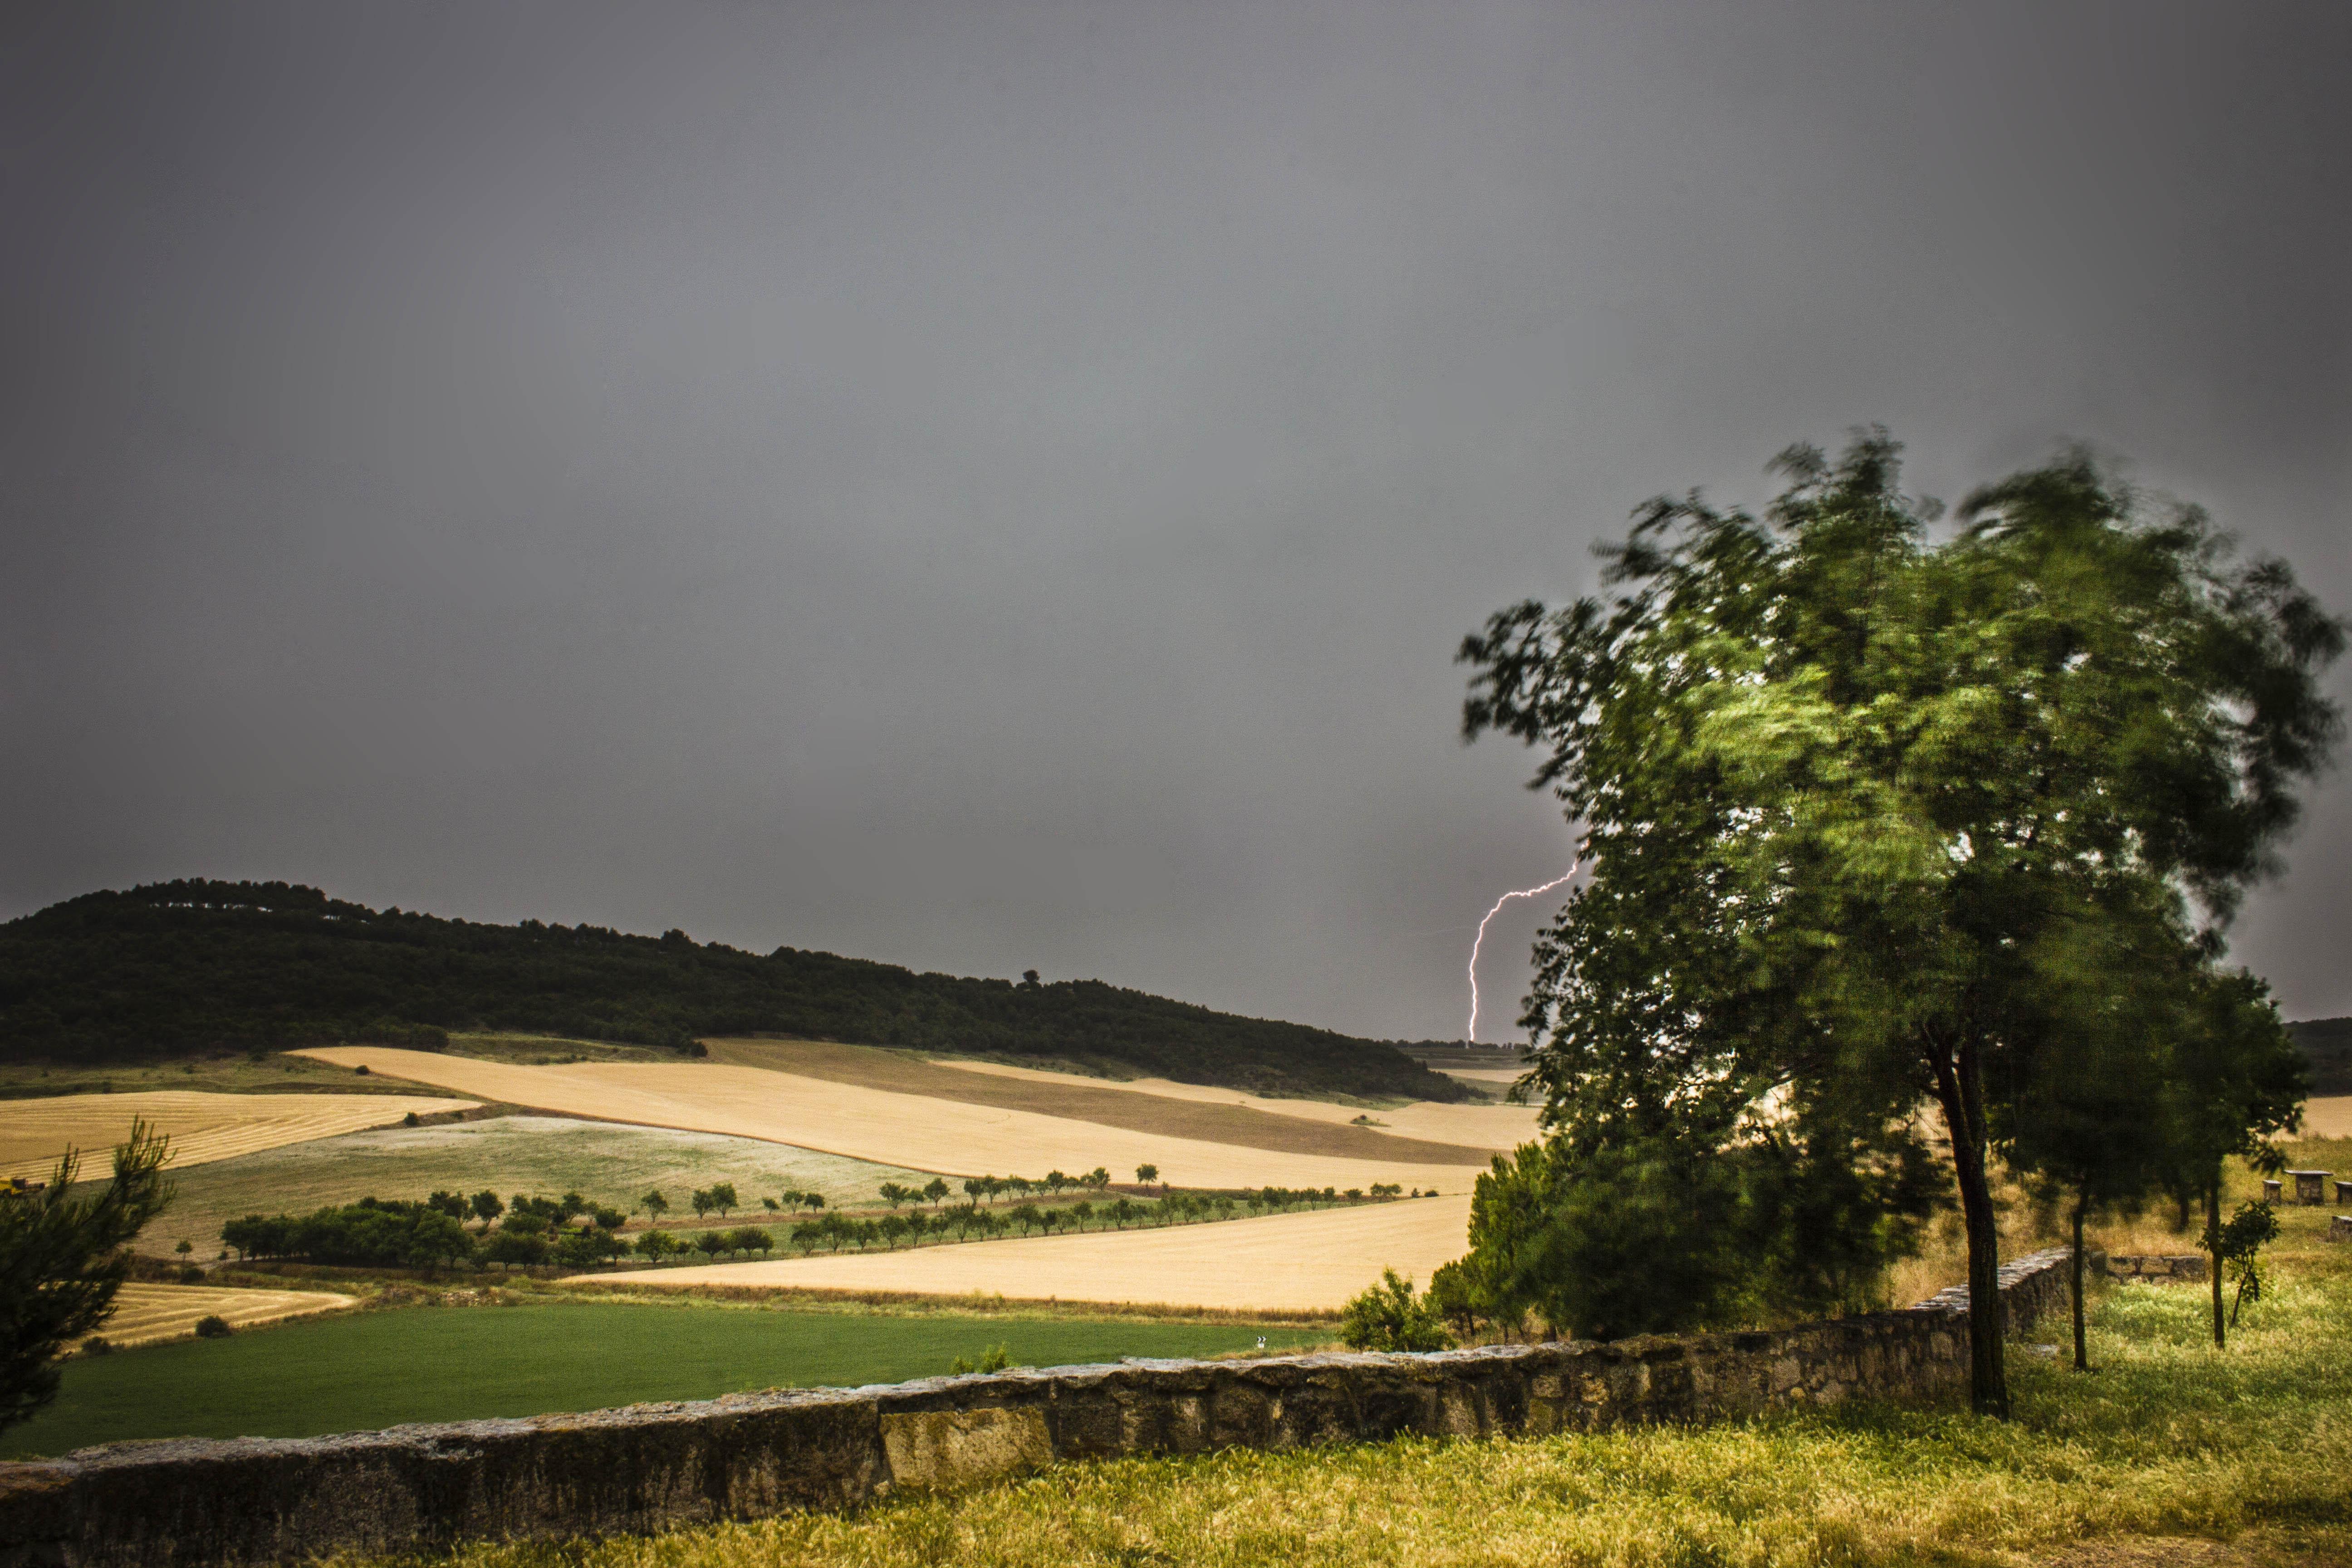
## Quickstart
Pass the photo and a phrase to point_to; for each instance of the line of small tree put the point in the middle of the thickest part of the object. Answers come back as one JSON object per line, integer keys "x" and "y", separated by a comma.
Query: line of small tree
{"x": 721, "y": 1198}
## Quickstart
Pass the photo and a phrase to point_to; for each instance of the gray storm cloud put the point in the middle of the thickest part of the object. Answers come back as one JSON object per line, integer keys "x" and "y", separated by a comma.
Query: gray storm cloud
{"x": 989, "y": 486}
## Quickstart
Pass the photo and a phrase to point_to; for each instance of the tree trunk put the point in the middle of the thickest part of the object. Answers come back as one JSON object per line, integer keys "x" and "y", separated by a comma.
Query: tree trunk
{"x": 2082, "y": 1357}
{"x": 1960, "y": 1090}
{"x": 2213, "y": 1255}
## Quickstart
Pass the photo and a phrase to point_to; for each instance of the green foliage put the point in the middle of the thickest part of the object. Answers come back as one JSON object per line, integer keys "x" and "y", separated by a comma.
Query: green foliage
{"x": 1851, "y": 800}
{"x": 995, "y": 1358}
{"x": 62, "y": 1260}
{"x": 372, "y": 1232}
{"x": 212, "y": 1326}
{"x": 2239, "y": 1244}
{"x": 1388, "y": 1316}
{"x": 192, "y": 966}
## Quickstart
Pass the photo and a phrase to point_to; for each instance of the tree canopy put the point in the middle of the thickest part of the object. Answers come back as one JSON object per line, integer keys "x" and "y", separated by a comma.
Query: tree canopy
{"x": 1862, "y": 804}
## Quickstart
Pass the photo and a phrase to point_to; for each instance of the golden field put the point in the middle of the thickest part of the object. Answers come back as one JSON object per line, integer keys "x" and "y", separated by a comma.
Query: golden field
{"x": 1277, "y": 1263}
{"x": 2328, "y": 1117}
{"x": 919, "y": 1132}
{"x": 202, "y": 1127}
{"x": 145, "y": 1313}
{"x": 1488, "y": 1129}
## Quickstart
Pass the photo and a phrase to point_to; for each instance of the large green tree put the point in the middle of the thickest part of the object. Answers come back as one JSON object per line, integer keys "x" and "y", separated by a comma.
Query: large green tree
{"x": 1842, "y": 783}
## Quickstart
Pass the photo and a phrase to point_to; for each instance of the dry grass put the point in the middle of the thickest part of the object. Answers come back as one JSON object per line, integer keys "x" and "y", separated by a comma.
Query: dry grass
{"x": 1277, "y": 1263}
{"x": 203, "y": 1127}
{"x": 953, "y": 1137}
{"x": 146, "y": 1313}
{"x": 1480, "y": 1128}
{"x": 1192, "y": 1112}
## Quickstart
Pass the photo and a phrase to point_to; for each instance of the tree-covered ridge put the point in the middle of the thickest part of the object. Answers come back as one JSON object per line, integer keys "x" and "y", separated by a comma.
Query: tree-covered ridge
{"x": 191, "y": 967}
{"x": 2326, "y": 1046}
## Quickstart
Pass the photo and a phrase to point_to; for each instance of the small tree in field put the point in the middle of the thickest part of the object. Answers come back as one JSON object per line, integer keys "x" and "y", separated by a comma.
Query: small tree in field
{"x": 935, "y": 1190}
{"x": 63, "y": 1258}
{"x": 1146, "y": 1174}
{"x": 1388, "y": 1316}
{"x": 653, "y": 1203}
{"x": 486, "y": 1206}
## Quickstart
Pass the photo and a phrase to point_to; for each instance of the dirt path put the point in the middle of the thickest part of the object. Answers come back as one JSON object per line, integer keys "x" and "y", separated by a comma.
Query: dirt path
{"x": 203, "y": 1127}
{"x": 1294, "y": 1262}
{"x": 1195, "y": 1112}
{"x": 951, "y": 1137}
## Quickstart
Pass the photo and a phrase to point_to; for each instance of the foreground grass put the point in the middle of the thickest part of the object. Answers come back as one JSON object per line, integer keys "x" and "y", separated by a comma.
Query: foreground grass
{"x": 2252, "y": 1447}
{"x": 452, "y": 1364}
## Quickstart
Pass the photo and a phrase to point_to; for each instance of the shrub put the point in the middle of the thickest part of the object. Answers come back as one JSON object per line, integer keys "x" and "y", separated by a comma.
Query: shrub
{"x": 97, "y": 1344}
{"x": 212, "y": 1326}
{"x": 1388, "y": 1316}
{"x": 191, "y": 1275}
{"x": 995, "y": 1358}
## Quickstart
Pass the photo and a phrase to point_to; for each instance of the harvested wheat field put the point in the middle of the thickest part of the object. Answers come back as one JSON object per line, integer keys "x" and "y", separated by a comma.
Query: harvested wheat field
{"x": 947, "y": 1136}
{"x": 203, "y": 1127}
{"x": 1278, "y": 1263}
{"x": 1486, "y": 1129}
{"x": 145, "y": 1313}
{"x": 2328, "y": 1117}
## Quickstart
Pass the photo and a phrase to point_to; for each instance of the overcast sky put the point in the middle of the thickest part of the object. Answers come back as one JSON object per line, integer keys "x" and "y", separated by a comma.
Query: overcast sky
{"x": 989, "y": 486}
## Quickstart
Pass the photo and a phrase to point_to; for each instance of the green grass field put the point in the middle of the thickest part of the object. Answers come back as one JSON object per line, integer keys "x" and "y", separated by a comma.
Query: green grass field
{"x": 452, "y": 1364}
{"x": 607, "y": 1161}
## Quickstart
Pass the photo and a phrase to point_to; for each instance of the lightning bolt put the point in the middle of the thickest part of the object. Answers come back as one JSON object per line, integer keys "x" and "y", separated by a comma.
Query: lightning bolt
{"x": 1470, "y": 1030}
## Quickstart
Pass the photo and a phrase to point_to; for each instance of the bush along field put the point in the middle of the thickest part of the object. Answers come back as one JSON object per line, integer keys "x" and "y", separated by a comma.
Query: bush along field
{"x": 453, "y": 1229}
{"x": 2166, "y": 1450}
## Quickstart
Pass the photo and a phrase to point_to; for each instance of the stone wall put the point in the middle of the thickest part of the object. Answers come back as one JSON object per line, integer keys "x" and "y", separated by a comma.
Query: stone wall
{"x": 659, "y": 1467}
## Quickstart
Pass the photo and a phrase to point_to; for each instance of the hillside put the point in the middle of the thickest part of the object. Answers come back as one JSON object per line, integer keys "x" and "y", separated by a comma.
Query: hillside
{"x": 197, "y": 968}
{"x": 2327, "y": 1045}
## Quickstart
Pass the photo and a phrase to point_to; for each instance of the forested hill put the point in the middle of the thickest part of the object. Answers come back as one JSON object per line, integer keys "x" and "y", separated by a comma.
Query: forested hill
{"x": 2326, "y": 1043}
{"x": 187, "y": 968}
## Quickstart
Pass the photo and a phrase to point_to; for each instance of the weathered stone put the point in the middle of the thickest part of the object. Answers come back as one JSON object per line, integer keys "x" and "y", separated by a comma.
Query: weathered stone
{"x": 956, "y": 1448}
{"x": 2339, "y": 1227}
{"x": 2310, "y": 1187}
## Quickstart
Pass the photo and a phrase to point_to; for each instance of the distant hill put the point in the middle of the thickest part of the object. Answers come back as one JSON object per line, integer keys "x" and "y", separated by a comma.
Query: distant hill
{"x": 197, "y": 968}
{"x": 2326, "y": 1043}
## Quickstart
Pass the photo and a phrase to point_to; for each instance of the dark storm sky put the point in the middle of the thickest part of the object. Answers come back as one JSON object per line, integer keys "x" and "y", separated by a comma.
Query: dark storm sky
{"x": 991, "y": 485}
